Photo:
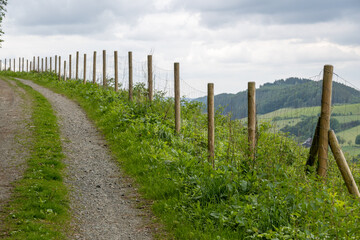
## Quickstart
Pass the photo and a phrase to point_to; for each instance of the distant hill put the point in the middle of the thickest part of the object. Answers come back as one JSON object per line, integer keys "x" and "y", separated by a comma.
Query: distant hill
{"x": 289, "y": 93}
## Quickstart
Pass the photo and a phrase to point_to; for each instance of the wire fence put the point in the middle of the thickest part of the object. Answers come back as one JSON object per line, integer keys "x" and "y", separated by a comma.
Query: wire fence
{"x": 296, "y": 119}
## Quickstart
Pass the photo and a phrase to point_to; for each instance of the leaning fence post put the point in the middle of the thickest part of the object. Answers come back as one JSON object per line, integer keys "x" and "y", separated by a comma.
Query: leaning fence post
{"x": 77, "y": 66}
{"x": 59, "y": 68}
{"x": 104, "y": 68}
{"x": 343, "y": 166}
{"x": 211, "y": 124}
{"x": 84, "y": 81}
{"x": 150, "y": 79}
{"x": 177, "y": 97}
{"x": 94, "y": 68}
{"x": 314, "y": 148}
{"x": 325, "y": 120}
{"x": 130, "y": 76}
{"x": 252, "y": 119}
{"x": 116, "y": 70}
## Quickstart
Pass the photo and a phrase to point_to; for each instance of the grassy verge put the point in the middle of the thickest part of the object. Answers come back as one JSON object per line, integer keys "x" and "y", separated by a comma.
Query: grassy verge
{"x": 271, "y": 198}
{"x": 39, "y": 206}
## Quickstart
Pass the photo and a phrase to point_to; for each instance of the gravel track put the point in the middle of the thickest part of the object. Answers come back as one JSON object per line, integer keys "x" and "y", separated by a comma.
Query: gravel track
{"x": 98, "y": 196}
{"x": 13, "y": 121}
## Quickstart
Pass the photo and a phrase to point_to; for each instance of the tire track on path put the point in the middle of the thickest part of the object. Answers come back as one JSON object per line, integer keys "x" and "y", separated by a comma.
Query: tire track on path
{"x": 13, "y": 120}
{"x": 99, "y": 208}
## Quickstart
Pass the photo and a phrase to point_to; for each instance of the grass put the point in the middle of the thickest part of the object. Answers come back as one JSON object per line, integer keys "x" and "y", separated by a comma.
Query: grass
{"x": 350, "y": 134}
{"x": 270, "y": 198}
{"x": 38, "y": 208}
{"x": 352, "y": 150}
{"x": 343, "y": 113}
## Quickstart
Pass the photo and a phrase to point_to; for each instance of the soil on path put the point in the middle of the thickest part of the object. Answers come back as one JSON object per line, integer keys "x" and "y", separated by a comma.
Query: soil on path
{"x": 98, "y": 193}
{"x": 13, "y": 132}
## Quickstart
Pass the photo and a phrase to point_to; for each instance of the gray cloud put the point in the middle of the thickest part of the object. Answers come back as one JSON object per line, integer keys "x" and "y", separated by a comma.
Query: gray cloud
{"x": 209, "y": 38}
{"x": 47, "y": 17}
{"x": 217, "y": 12}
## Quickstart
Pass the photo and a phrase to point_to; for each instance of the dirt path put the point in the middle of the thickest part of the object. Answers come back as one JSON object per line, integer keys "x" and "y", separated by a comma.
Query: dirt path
{"x": 13, "y": 118}
{"x": 98, "y": 194}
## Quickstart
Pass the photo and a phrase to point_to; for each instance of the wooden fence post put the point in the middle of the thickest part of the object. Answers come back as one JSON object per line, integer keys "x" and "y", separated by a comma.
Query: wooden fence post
{"x": 70, "y": 66}
{"x": 42, "y": 64}
{"x": 84, "y": 81}
{"x": 211, "y": 124}
{"x": 64, "y": 70}
{"x": 252, "y": 119}
{"x": 77, "y": 66}
{"x": 314, "y": 148}
{"x": 325, "y": 120}
{"x": 94, "y": 68}
{"x": 150, "y": 78}
{"x": 46, "y": 64}
{"x": 59, "y": 68}
{"x": 5, "y": 65}
{"x": 50, "y": 64}
{"x": 1, "y": 65}
{"x": 104, "y": 68}
{"x": 19, "y": 64}
{"x": 14, "y": 65}
{"x": 177, "y": 97}
{"x": 38, "y": 67}
{"x": 116, "y": 70}
{"x": 27, "y": 65}
{"x": 30, "y": 66}
{"x": 10, "y": 64}
{"x": 23, "y": 67}
{"x": 56, "y": 58}
{"x": 343, "y": 166}
{"x": 130, "y": 76}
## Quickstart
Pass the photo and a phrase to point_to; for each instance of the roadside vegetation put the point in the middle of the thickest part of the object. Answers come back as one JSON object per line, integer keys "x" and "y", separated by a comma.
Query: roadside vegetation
{"x": 269, "y": 198}
{"x": 38, "y": 208}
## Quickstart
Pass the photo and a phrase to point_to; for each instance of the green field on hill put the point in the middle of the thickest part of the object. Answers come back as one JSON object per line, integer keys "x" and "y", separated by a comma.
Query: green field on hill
{"x": 344, "y": 114}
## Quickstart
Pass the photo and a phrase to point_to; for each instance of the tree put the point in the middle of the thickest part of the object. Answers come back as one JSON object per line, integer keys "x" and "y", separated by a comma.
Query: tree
{"x": 341, "y": 140}
{"x": 3, "y": 4}
{"x": 357, "y": 139}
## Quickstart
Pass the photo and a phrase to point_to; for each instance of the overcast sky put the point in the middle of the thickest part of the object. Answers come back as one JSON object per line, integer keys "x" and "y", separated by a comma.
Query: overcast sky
{"x": 227, "y": 42}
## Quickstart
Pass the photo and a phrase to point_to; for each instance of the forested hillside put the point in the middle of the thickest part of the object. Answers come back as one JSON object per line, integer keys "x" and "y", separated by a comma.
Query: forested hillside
{"x": 289, "y": 93}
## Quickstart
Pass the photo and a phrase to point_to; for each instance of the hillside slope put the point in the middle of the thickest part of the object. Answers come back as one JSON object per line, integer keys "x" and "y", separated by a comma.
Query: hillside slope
{"x": 289, "y": 93}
